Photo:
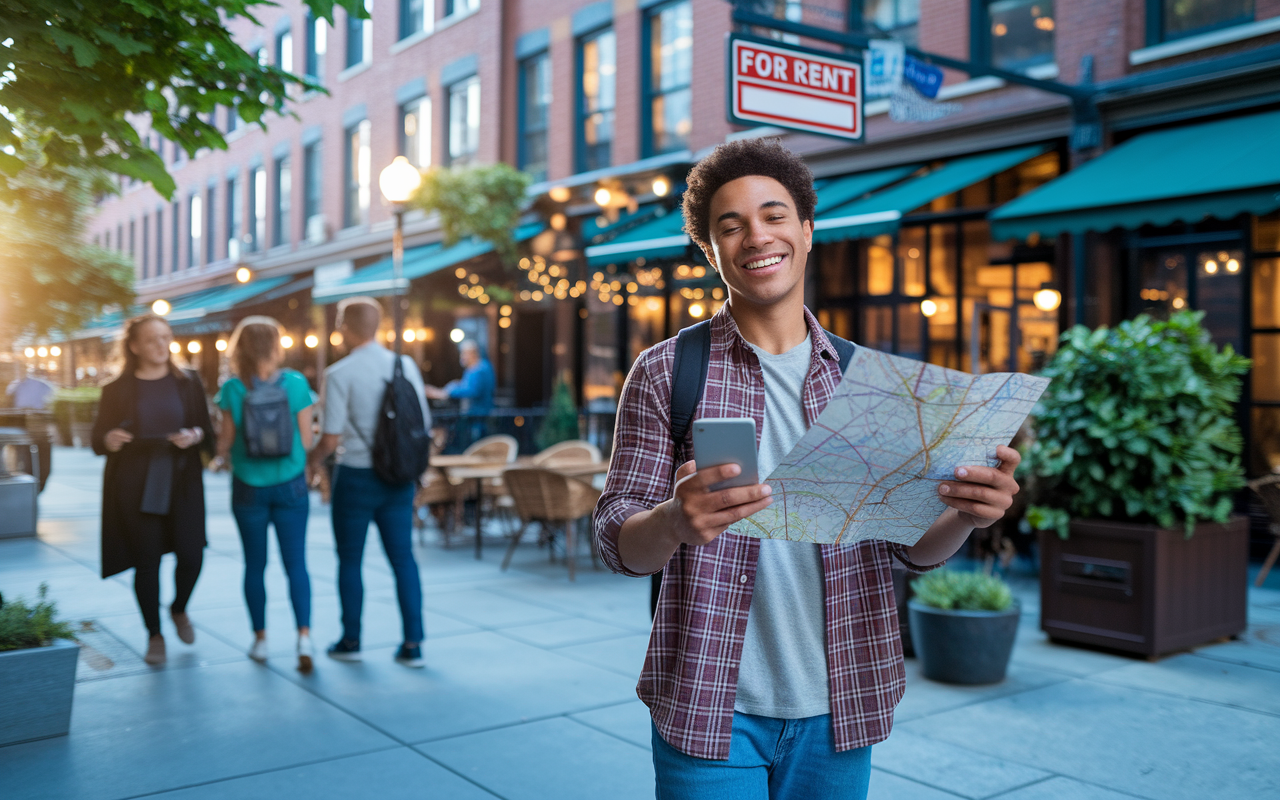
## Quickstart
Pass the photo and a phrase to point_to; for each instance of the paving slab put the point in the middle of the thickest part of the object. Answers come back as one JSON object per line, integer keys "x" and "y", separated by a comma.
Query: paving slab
{"x": 924, "y": 697}
{"x": 564, "y": 632}
{"x": 1060, "y": 788}
{"x": 1034, "y": 649}
{"x": 130, "y": 629}
{"x": 887, "y": 786}
{"x": 399, "y": 774}
{"x": 472, "y": 682}
{"x": 488, "y": 609}
{"x": 1199, "y": 678}
{"x": 554, "y": 758}
{"x": 175, "y": 728}
{"x": 1150, "y": 745}
{"x": 973, "y": 772}
{"x": 1258, "y": 647}
{"x": 627, "y": 721}
{"x": 624, "y": 655}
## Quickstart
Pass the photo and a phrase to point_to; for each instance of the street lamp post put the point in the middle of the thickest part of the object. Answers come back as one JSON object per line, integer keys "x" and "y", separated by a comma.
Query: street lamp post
{"x": 398, "y": 181}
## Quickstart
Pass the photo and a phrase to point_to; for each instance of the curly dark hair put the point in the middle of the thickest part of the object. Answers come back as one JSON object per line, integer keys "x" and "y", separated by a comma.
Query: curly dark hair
{"x": 734, "y": 160}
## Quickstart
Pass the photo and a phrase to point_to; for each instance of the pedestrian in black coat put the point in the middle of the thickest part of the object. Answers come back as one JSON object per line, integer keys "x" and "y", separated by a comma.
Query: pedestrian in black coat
{"x": 152, "y": 423}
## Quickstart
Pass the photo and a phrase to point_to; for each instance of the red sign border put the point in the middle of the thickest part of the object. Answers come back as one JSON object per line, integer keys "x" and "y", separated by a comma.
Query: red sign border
{"x": 733, "y": 90}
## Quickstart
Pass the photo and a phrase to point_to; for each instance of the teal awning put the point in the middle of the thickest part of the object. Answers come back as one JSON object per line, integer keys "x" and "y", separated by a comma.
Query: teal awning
{"x": 660, "y": 237}
{"x": 847, "y": 188}
{"x": 202, "y": 303}
{"x": 882, "y": 212}
{"x": 377, "y": 279}
{"x": 1215, "y": 169}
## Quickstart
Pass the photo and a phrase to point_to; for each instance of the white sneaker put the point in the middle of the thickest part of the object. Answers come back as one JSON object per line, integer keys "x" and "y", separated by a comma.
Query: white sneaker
{"x": 259, "y": 651}
{"x": 305, "y": 653}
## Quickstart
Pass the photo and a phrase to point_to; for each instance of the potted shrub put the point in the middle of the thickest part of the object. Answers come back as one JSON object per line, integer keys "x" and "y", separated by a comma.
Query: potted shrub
{"x": 37, "y": 670}
{"x": 962, "y": 626}
{"x": 1135, "y": 460}
{"x": 73, "y": 413}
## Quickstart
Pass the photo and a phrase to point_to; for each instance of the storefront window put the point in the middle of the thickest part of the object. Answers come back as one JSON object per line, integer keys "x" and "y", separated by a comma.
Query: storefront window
{"x": 911, "y": 256}
{"x": 1266, "y": 234}
{"x": 1179, "y": 18}
{"x": 1177, "y": 278}
{"x": 1021, "y": 33}
{"x": 877, "y": 272}
{"x": 1266, "y": 293}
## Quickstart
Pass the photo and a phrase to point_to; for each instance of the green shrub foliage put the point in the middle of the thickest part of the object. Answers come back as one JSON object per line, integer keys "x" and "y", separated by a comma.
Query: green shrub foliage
{"x": 23, "y": 626}
{"x": 1138, "y": 425}
{"x": 561, "y": 422}
{"x": 962, "y": 591}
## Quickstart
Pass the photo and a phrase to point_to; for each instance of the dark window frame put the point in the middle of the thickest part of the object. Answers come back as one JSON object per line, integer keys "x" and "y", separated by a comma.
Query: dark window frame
{"x": 313, "y": 63}
{"x": 1155, "y": 22}
{"x": 523, "y": 131}
{"x": 193, "y": 250}
{"x": 312, "y": 177}
{"x": 282, "y": 208}
{"x": 449, "y": 158}
{"x": 354, "y": 46}
{"x": 580, "y": 160}
{"x": 648, "y": 94}
{"x": 210, "y": 220}
{"x": 279, "y": 49}
{"x": 402, "y": 139}
{"x": 352, "y": 215}
{"x": 980, "y": 47}
{"x": 407, "y": 14}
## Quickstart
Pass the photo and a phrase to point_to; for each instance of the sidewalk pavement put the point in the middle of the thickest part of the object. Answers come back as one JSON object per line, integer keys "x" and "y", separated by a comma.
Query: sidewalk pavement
{"x": 529, "y": 691}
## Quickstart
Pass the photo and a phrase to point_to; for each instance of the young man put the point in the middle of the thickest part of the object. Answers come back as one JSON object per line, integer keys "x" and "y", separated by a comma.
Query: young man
{"x": 773, "y": 666}
{"x": 353, "y": 390}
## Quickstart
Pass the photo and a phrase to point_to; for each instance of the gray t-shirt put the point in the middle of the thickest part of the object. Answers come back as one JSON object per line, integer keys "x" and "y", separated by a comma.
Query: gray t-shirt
{"x": 353, "y": 389}
{"x": 783, "y": 673}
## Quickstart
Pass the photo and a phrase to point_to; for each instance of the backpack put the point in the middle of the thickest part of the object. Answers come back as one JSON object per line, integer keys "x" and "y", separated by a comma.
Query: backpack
{"x": 689, "y": 378}
{"x": 266, "y": 420}
{"x": 401, "y": 442}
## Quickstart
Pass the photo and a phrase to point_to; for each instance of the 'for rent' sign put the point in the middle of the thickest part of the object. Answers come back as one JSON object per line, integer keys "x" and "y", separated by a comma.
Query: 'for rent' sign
{"x": 794, "y": 87}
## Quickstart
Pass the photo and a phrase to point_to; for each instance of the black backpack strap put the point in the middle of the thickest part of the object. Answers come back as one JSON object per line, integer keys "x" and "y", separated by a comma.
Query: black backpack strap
{"x": 844, "y": 349}
{"x": 689, "y": 376}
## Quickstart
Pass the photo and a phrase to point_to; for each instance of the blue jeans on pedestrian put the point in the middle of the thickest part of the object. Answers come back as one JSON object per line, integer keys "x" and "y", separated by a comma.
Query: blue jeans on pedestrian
{"x": 284, "y": 505}
{"x": 360, "y": 497}
{"x": 769, "y": 759}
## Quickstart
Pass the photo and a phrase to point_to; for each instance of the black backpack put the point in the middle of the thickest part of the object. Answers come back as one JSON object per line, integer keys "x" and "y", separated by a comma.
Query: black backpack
{"x": 266, "y": 419}
{"x": 689, "y": 378}
{"x": 401, "y": 442}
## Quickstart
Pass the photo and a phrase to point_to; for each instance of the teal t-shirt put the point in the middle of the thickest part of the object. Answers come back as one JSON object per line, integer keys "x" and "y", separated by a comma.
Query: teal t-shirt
{"x": 266, "y": 471}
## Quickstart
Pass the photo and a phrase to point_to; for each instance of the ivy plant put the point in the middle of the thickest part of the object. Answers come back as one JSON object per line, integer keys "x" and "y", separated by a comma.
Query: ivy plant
{"x": 484, "y": 201}
{"x": 1138, "y": 425}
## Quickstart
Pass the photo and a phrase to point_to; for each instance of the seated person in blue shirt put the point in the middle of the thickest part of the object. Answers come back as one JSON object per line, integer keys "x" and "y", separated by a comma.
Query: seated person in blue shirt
{"x": 475, "y": 390}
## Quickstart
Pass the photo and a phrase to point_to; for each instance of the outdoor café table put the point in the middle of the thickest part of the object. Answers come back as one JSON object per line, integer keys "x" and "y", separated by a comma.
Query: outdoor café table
{"x": 479, "y": 469}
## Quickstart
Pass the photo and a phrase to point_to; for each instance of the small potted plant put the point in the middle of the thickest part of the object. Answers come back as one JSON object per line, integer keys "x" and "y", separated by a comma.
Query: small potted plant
{"x": 37, "y": 671}
{"x": 962, "y": 626}
{"x": 1135, "y": 462}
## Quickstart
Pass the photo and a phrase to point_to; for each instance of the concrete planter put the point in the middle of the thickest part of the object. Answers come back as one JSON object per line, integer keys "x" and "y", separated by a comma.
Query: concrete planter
{"x": 965, "y": 647}
{"x": 1142, "y": 588}
{"x": 36, "y": 687}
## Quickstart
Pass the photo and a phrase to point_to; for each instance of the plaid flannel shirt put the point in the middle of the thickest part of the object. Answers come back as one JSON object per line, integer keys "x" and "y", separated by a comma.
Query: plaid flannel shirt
{"x": 690, "y": 673}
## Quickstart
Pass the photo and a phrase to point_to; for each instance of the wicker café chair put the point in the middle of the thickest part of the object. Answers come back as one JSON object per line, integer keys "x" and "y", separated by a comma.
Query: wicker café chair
{"x": 552, "y": 500}
{"x": 1268, "y": 489}
{"x": 570, "y": 451}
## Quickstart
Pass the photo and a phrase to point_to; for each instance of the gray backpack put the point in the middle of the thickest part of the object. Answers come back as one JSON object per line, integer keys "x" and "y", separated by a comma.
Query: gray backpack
{"x": 267, "y": 422}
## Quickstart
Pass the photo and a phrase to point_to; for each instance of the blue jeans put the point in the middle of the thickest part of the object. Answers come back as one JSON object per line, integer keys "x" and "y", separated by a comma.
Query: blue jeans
{"x": 769, "y": 759}
{"x": 285, "y": 506}
{"x": 360, "y": 497}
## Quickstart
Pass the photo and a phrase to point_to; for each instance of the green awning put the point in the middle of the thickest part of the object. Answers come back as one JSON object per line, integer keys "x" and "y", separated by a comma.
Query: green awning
{"x": 1215, "y": 169}
{"x": 196, "y": 305}
{"x": 847, "y": 188}
{"x": 660, "y": 237}
{"x": 882, "y": 212}
{"x": 377, "y": 279}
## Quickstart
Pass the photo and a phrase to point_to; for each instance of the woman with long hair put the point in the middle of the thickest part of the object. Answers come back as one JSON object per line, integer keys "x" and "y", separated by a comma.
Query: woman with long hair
{"x": 152, "y": 423}
{"x": 265, "y": 434}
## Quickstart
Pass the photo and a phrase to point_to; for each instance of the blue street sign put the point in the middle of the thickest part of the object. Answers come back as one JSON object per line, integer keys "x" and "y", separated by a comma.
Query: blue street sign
{"x": 925, "y": 78}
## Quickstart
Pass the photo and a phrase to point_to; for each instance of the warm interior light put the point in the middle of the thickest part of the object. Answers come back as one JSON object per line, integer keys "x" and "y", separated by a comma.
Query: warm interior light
{"x": 410, "y": 336}
{"x": 560, "y": 194}
{"x": 603, "y": 196}
{"x": 1211, "y": 266}
{"x": 161, "y": 307}
{"x": 696, "y": 310}
{"x": 661, "y": 186}
{"x": 928, "y": 308}
{"x": 457, "y": 335}
{"x": 43, "y": 352}
{"x": 55, "y": 351}
{"x": 193, "y": 346}
{"x": 175, "y": 348}
{"x": 1233, "y": 265}
{"x": 30, "y": 352}
{"x": 244, "y": 274}
{"x": 335, "y": 338}
{"x": 312, "y": 340}
{"x": 1047, "y": 299}
{"x": 504, "y": 322}
{"x": 558, "y": 222}
{"x": 505, "y": 311}
{"x": 220, "y": 345}
{"x": 399, "y": 180}
{"x": 1178, "y": 302}
{"x": 286, "y": 341}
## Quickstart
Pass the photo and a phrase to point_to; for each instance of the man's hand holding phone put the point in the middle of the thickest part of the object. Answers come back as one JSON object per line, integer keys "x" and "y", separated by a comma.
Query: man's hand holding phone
{"x": 700, "y": 514}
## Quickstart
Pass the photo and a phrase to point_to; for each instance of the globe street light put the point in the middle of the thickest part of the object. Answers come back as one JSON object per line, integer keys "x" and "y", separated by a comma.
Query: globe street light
{"x": 398, "y": 181}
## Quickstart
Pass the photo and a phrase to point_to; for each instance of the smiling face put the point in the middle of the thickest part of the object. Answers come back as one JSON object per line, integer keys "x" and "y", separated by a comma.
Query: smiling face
{"x": 151, "y": 343}
{"x": 759, "y": 244}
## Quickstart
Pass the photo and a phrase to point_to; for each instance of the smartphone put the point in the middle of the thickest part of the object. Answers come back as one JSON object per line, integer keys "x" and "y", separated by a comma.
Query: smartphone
{"x": 730, "y": 440}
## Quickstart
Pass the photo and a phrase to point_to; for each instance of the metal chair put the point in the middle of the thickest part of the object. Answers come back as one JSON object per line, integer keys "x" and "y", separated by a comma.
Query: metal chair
{"x": 551, "y": 499}
{"x": 1268, "y": 489}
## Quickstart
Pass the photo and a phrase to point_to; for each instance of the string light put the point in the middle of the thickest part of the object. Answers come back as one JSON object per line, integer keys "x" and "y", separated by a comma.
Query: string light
{"x": 312, "y": 340}
{"x": 286, "y": 341}
{"x": 55, "y": 351}
{"x": 175, "y": 348}
{"x": 193, "y": 346}
{"x": 220, "y": 345}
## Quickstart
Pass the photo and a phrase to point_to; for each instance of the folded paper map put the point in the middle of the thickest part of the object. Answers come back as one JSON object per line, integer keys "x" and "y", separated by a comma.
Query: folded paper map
{"x": 869, "y": 467}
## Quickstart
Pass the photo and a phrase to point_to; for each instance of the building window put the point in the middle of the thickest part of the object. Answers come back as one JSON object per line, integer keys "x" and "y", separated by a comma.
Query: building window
{"x": 415, "y": 131}
{"x": 1020, "y": 33}
{"x": 670, "y": 71}
{"x": 452, "y": 7}
{"x": 235, "y": 217}
{"x": 464, "y": 120}
{"x": 360, "y": 36}
{"x": 317, "y": 44}
{"x": 233, "y": 118}
{"x": 311, "y": 169}
{"x": 159, "y": 241}
{"x": 357, "y": 168}
{"x": 416, "y": 17}
{"x": 210, "y": 217}
{"x": 195, "y": 229}
{"x": 535, "y": 105}
{"x": 1175, "y": 19}
{"x": 897, "y": 19}
{"x": 284, "y": 50}
{"x": 598, "y": 58}
{"x": 120, "y": 237}
{"x": 175, "y": 216}
{"x": 257, "y": 208}
{"x": 146, "y": 248}
{"x": 283, "y": 179}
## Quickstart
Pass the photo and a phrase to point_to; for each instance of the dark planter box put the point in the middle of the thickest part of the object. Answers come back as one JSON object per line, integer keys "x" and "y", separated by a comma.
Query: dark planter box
{"x": 967, "y": 647}
{"x": 36, "y": 688}
{"x": 1144, "y": 589}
